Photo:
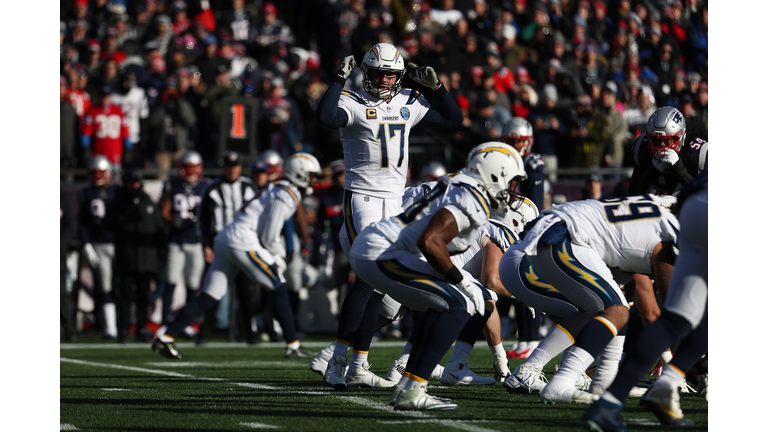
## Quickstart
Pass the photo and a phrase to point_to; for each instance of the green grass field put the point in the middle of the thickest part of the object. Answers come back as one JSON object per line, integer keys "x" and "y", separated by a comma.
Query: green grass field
{"x": 235, "y": 387}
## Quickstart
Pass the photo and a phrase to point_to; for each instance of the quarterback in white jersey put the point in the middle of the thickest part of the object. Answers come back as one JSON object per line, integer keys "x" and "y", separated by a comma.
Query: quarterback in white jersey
{"x": 252, "y": 244}
{"x": 586, "y": 249}
{"x": 375, "y": 125}
{"x": 408, "y": 257}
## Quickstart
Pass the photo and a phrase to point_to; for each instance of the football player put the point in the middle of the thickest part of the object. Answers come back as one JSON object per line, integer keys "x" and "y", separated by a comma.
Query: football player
{"x": 251, "y": 244}
{"x": 98, "y": 242}
{"x": 375, "y": 125}
{"x": 586, "y": 249}
{"x": 179, "y": 205}
{"x": 267, "y": 167}
{"x": 518, "y": 133}
{"x": 408, "y": 257}
{"x": 684, "y": 318}
{"x": 663, "y": 160}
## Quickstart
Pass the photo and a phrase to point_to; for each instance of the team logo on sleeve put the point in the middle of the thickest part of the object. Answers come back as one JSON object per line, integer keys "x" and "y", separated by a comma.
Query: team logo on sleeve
{"x": 370, "y": 114}
{"x": 405, "y": 113}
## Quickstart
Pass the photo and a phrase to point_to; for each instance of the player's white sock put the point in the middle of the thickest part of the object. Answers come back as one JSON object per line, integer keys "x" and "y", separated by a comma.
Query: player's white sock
{"x": 358, "y": 358}
{"x": 556, "y": 341}
{"x": 341, "y": 349}
{"x": 406, "y": 351}
{"x": 670, "y": 378}
{"x": 575, "y": 363}
{"x": 461, "y": 351}
{"x": 607, "y": 366}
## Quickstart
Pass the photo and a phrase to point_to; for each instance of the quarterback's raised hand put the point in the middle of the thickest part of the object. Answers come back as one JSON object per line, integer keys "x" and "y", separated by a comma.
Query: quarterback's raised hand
{"x": 345, "y": 66}
{"x": 424, "y": 75}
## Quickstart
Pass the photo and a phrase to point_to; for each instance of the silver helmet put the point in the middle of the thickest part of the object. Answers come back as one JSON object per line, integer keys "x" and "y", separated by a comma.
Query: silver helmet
{"x": 191, "y": 166}
{"x": 519, "y": 129}
{"x": 273, "y": 161}
{"x": 432, "y": 171}
{"x": 99, "y": 170}
{"x": 383, "y": 57}
{"x": 665, "y": 131}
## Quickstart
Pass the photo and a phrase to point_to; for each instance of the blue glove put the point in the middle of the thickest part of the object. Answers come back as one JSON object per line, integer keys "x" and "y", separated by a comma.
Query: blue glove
{"x": 85, "y": 141}
{"x": 127, "y": 143}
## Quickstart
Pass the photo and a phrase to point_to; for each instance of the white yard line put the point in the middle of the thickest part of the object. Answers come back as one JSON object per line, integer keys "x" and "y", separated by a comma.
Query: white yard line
{"x": 456, "y": 424}
{"x": 67, "y": 426}
{"x": 69, "y": 346}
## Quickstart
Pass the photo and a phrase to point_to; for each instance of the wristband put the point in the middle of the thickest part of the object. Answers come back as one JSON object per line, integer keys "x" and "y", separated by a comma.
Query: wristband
{"x": 454, "y": 276}
{"x": 340, "y": 80}
{"x": 440, "y": 90}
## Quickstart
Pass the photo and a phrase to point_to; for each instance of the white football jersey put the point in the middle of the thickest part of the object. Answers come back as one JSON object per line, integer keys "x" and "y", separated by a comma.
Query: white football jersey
{"x": 375, "y": 140}
{"x": 623, "y": 232}
{"x": 260, "y": 220}
{"x": 472, "y": 259}
{"x": 135, "y": 107}
{"x": 460, "y": 195}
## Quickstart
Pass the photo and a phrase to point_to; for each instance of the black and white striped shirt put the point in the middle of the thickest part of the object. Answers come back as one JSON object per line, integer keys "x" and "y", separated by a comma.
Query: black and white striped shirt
{"x": 220, "y": 202}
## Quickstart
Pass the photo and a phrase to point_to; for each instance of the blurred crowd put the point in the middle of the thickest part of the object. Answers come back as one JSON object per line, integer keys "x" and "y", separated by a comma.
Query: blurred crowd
{"x": 142, "y": 81}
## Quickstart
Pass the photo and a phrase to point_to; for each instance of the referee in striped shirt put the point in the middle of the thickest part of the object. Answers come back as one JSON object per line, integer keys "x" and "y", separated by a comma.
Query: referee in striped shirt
{"x": 223, "y": 198}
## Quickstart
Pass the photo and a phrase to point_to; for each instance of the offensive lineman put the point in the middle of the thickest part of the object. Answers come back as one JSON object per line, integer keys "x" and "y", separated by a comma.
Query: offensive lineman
{"x": 374, "y": 128}
{"x": 251, "y": 244}
{"x": 585, "y": 249}
{"x": 408, "y": 257}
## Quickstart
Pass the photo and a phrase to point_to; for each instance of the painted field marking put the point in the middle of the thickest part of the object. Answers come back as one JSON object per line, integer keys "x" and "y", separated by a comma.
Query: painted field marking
{"x": 110, "y": 346}
{"x": 456, "y": 424}
{"x": 225, "y": 364}
{"x": 67, "y": 426}
{"x": 259, "y": 425}
{"x": 114, "y": 389}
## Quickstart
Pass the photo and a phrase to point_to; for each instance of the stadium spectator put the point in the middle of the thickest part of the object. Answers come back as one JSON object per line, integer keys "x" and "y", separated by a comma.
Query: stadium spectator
{"x": 614, "y": 154}
{"x": 105, "y": 130}
{"x": 549, "y": 129}
{"x": 68, "y": 125}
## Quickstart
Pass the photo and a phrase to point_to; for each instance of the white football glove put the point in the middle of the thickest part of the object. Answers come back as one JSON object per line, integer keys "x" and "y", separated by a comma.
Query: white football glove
{"x": 346, "y": 66}
{"x": 424, "y": 75}
{"x": 667, "y": 158}
{"x": 474, "y": 293}
{"x": 91, "y": 255}
{"x": 280, "y": 265}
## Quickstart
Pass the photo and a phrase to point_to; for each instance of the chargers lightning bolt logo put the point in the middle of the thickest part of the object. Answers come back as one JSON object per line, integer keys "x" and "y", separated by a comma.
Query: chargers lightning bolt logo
{"x": 535, "y": 280}
{"x": 569, "y": 262}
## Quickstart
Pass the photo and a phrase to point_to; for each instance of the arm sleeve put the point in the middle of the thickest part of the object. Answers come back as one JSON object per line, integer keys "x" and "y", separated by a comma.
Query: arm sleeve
{"x": 328, "y": 112}
{"x": 446, "y": 113}
{"x": 288, "y": 229}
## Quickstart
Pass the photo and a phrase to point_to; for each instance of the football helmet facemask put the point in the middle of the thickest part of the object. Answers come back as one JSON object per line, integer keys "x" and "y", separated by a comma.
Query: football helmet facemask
{"x": 665, "y": 131}
{"x": 191, "y": 167}
{"x": 383, "y": 57}
{"x": 274, "y": 163}
{"x": 519, "y": 129}
{"x": 498, "y": 168}
{"x": 516, "y": 219}
{"x": 300, "y": 169}
{"x": 99, "y": 171}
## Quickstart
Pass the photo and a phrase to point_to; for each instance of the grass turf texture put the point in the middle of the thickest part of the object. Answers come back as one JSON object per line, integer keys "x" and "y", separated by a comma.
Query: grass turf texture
{"x": 236, "y": 387}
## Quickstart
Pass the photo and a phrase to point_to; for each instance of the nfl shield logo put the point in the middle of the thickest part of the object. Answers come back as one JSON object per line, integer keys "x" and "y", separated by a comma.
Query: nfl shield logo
{"x": 405, "y": 113}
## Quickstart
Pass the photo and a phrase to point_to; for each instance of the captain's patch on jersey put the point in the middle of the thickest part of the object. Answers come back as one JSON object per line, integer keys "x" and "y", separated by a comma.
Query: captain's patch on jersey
{"x": 405, "y": 113}
{"x": 370, "y": 113}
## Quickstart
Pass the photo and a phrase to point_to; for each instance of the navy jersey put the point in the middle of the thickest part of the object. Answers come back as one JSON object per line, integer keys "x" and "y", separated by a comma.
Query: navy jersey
{"x": 647, "y": 179}
{"x": 533, "y": 186}
{"x": 93, "y": 206}
{"x": 185, "y": 207}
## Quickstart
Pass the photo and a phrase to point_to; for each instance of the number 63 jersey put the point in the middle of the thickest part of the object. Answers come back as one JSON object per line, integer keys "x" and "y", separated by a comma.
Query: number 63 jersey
{"x": 623, "y": 231}
{"x": 375, "y": 140}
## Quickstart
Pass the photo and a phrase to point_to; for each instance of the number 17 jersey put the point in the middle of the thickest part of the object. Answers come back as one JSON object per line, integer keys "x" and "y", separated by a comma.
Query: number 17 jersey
{"x": 375, "y": 140}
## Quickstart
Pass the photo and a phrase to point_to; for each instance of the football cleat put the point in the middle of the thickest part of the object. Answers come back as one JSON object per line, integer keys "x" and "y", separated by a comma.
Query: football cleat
{"x": 665, "y": 404}
{"x": 417, "y": 399}
{"x": 320, "y": 362}
{"x": 583, "y": 381}
{"x": 637, "y": 392}
{"x": 362, "y": 377}
{"x": 604, "y": 416}
{"x": 460, "y": 373}
{"x": 298, "y": 353}
{"x": 526, "y": 378}
{"x": 166, "y": 349}
{"x": 397, "y": 369}
{"x": 335, "y": 373}
{"x": 563, "y": 392}
{"x": 501, "y": 366}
